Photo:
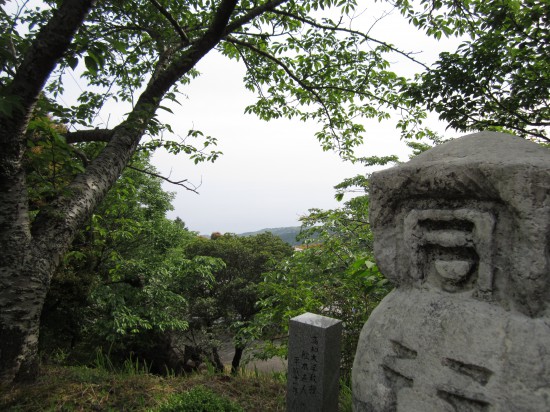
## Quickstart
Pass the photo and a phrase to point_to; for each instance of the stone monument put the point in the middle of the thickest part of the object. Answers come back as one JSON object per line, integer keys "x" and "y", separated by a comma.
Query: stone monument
{"x": 313, "y": 364}
{"x": 463, "y": 232}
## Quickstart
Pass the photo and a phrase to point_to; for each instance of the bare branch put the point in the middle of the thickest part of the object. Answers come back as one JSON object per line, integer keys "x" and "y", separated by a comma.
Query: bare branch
{"x": 81, "y": 155}
{"x": 11, "y": 46}
{"x": 350, "y": 31}
{"x": 181, "y": 183}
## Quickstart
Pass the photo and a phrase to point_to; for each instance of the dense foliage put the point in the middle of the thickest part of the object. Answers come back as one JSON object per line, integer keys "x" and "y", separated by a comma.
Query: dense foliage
{"x": 334, "y": 274}
{"x": 124, "y": 285}
{"x": 301, "y": 62}
{"x": 230, "y": 303}
{"x": 137, "y": 284}
{"x": 499, "y": 78}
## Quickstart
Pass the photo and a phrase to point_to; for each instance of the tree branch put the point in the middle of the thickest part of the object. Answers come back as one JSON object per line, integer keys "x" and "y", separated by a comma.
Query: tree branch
{"x": 253, "y": 13}
{"x": 249, "y": 69}
{"x": 47, "y": 48}
{"x": 174, "y": 182}
{"x": 280, "y": 63}
{"x": 349, "y": 31}
{"x": 96, "y": 135}
{"x": 172, "y": 21}
{"x": 22, "y": 92}
{"x": 55, "y": 226}
{"x": 166, "y": 78}
{"x": 366, "y": 94}
{"x": 289, "y": 72}
{"x": 115, "y": 29}
{"x": 221, "y": 18}
{"x": 81, "y": 155}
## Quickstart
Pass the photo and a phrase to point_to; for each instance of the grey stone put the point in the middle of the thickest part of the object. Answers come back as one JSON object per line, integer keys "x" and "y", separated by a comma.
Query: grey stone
{"x": 313, "y": 363}
{"x": 463, "y": 231}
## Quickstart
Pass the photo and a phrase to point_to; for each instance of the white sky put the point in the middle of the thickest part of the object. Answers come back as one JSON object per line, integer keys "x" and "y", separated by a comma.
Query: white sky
{"x": 270, "y": 173}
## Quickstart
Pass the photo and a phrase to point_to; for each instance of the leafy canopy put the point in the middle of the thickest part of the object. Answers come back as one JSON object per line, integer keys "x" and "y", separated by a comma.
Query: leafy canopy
{"x": 305, "y": 60}
{"x": 497, "y": 79}
{"x": 230, "y": 301}
{"x": 334, "y": 274}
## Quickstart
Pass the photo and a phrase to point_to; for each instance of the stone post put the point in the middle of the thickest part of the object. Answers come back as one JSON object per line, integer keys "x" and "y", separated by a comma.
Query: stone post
{"x": 313, "y": 364}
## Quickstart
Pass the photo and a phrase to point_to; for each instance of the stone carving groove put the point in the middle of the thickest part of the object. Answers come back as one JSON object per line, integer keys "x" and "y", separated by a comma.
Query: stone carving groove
{"x": 478, "y": 373}
{"x": 462, "y": 403}
{"x": 463, "y": 232}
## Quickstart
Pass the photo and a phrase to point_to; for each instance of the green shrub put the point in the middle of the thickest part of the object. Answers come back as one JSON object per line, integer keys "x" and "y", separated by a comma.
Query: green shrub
{"x": 199, "y": 399}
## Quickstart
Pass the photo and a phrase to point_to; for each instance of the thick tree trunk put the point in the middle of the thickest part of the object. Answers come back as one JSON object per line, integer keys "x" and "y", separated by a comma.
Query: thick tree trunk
{"x": 216, "y": 360}
{"x": 18, "y": 310}
{"x": 24, "y": 270}
{"x": 19, "y": 326}
{"x": 30, "y": 256}
{"x": 236, "y": 362}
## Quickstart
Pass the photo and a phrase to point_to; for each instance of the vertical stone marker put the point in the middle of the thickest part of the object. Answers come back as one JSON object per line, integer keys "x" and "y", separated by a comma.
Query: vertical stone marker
{"x": 463, "y": 232}
{"x": 313, "y": 364}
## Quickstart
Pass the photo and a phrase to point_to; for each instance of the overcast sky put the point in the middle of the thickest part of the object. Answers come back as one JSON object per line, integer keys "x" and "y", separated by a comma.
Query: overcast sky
{"x": 270, "y": 173}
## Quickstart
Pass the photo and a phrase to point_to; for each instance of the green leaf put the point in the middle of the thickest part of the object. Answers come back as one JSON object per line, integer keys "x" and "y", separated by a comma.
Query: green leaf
{"x": 166, "y": 109}
{"x": 72, "y": 62}
{"x": 91, "y": 64}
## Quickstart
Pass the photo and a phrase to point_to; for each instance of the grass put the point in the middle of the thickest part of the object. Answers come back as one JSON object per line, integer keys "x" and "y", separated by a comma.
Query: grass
{"x": 64, "y": 388}
{"x": 132, "y": 388}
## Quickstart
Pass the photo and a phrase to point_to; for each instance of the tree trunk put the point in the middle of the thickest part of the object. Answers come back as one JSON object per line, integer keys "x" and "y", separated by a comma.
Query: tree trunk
{"x": 236, "y": 362}
{"x": 24, "y": 270}
{"x": 18, "y": 295}
{"x": 30, "y": 257}
{"x": 218, "y": 364}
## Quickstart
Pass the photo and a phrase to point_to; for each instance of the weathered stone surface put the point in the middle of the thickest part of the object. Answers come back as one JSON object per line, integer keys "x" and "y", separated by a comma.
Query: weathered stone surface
{"x": 463, "y": 231}
{"x": 313, "y": 363}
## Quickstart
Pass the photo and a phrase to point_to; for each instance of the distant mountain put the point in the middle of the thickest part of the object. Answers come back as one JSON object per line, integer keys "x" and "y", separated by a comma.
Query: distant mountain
{"x": 288, "y": 234}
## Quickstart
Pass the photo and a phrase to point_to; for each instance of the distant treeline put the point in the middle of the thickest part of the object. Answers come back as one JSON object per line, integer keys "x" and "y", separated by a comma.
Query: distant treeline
{"x": 287, "y": 234}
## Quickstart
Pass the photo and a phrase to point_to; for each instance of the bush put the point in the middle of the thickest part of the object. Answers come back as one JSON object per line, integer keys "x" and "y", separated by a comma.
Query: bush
{"x": 199, "y": 399}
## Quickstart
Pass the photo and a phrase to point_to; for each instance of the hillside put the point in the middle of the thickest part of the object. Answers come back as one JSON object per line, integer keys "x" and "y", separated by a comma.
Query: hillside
{"x": 288, "y": 234}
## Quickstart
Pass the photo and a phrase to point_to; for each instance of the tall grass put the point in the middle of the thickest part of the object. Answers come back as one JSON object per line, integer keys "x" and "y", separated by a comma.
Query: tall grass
{"x": 345, "y": 399}
{"x": 129, "y": 367}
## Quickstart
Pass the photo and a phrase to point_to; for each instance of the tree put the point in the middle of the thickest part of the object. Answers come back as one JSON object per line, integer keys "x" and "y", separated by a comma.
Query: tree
{"x": 301, "y": 62}
{"x": 119, "y": 284}
{"x": 122, "y": 287}
{"x": 499, "y": 78}
{"x": 333, "y": 275}
{"x": 231, "y": 302}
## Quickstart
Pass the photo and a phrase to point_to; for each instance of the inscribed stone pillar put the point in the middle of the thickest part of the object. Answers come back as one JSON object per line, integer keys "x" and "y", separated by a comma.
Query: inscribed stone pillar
{"x": 313, "y": 363}
{"x": 463, "y": 231}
